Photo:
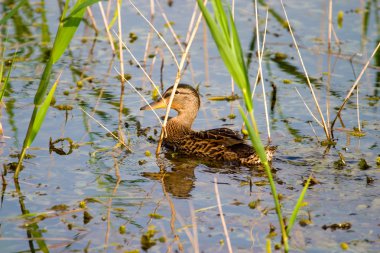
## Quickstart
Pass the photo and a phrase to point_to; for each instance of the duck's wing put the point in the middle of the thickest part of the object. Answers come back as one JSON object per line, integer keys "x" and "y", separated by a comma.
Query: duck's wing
{"x": 222, "y": 136}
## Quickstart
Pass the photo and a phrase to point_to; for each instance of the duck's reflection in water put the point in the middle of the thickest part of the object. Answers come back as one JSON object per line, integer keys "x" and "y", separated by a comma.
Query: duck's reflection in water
{"x": 178, "y": 176}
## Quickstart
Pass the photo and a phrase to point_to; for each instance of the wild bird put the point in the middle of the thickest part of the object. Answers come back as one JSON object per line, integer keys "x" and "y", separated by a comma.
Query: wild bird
{"x": 220, "y": 144}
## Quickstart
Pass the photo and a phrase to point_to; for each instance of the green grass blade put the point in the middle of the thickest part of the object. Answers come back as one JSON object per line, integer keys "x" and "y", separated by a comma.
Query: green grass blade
{"x": 297, "y": 207}
{"x": 7, "y": 16}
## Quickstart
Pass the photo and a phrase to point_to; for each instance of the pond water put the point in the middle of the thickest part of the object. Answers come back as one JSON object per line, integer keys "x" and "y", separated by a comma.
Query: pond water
{"x": 71, "y": 200}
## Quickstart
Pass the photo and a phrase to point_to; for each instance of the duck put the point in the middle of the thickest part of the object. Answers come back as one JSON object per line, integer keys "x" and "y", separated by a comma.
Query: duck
{"x": 218, "y": 144}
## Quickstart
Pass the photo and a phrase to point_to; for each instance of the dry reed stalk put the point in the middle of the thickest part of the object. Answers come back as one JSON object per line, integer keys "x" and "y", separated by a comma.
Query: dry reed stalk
{"x": 222, "y": 216}
{"x": 146, "y": 101}
{"x": 187, "y": 232}
{"x": 107, "y": 27}
{"x": 120, "y": 116}
{"x": 152, "y": 9}
{"x": 312, "y": 128}
{"x": 169, "y": 25}
{"x": 195, "y": 229}
{"x": 356, "y": 83}
{"x": 158, "y": 33}
{"x": 328, "y": 85}
{"x": 120, "y": 41}
{"x": 162, "y": 67}
{"x": 105, "y": 128}
{"x": 93, "y": 21}
{"x": 93, "y": 113}
{"x": 307, "y": 107}
{"x": 358, "y": 109}
{"x": 178, "y": 77}
{"x": 158, "y": 51}
{"x": 31, "y": 238}
{"x": 261, "y": 69}
{"x": 172, "y": 217}
{"x": 329, "y": 27}
{"x": 109, "y": 205}
{"x": 262, "y": 53}
{"x": 121, "y": 56}
{"x": 191, "y": 24}
{"x": 337, "y": 41}
{"x": 142, "y": 69}
{"x": 147, "y": 47}
{"x": 109, "y": 4}
{"x": 205, "y": 52}
{"x": 153, "y": 62}
{"x": 233, "y": 18}
{"x": 188, "y": 35}
{"x": 149, "y": 38}
{"x": 325, "y": 128}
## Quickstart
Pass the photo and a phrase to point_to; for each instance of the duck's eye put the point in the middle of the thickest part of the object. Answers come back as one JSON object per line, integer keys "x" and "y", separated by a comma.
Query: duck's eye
{"x": 177, "y": 92}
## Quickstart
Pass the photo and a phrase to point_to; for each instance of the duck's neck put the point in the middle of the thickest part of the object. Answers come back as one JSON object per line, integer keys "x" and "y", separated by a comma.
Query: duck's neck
{"x": 179, "y": 126}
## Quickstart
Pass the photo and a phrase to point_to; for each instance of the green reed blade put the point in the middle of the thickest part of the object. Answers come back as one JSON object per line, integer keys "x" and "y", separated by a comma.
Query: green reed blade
{"x": 66, "y": 30}
{"x": 254, "y": 136}
{"x": 256, "y": 142}
{"x": 221, "y": 17}
{"x": 36, "y": 233}
{"x": 297, "y": 207}
{"x": 45, "y": 34}
{"x": 35, "y": 123}
{"x": 7, "y": 16}
{"x": 80, "y": 6}
{"x": 268, "y": 246}
{"x": 366, "y": 16}
{"x": 227, "y": 40}
{"x": 1, "y": 71}
{"x": 228, "y": 43}
{"x": 40, "y": 114}
{"x": 6, "y": 81}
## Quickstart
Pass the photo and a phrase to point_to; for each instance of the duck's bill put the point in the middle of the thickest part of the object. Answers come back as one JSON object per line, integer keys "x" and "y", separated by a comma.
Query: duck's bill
{"x": 154, "y": 105}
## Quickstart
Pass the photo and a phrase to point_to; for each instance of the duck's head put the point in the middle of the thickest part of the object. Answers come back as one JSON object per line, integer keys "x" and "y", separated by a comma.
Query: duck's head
{"x": 186, "y": 102}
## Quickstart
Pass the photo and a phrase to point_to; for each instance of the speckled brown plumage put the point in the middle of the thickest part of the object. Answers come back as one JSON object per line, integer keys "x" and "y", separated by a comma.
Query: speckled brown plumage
{"x": 221, "y": 144}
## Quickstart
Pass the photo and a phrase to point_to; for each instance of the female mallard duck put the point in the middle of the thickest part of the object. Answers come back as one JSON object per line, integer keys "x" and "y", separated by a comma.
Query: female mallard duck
{"x": 221, "y": 144}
